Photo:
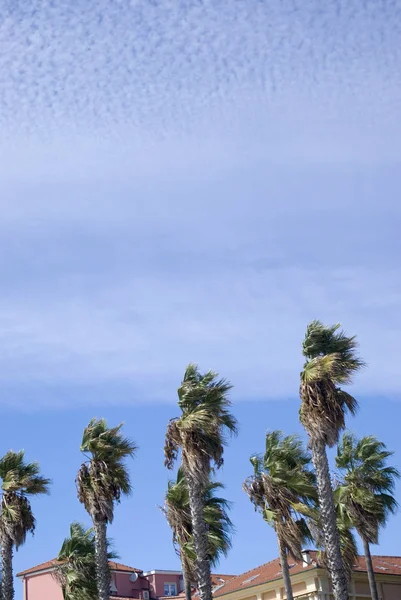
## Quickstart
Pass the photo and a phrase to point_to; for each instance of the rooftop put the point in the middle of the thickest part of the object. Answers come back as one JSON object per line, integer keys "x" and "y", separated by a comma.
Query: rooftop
{"x": 50, "y": 564}
{"x": 270, "y": 571}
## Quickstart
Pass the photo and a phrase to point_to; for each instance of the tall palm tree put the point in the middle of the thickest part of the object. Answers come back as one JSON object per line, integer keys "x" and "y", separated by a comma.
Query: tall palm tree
{"x": 20, "y": 480}
{"x": 366, "y": 490}
{"x": 280, "y": 486}
{"x": 200, "y": 434}
{"x": 76, "y": 564}
{"x": 101, "y": 482}
{"x": 178, "y": 513}
{"x": 331, "y": 361}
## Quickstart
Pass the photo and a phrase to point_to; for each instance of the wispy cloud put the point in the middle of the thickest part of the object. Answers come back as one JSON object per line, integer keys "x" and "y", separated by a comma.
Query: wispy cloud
{"x": 195, "y": 181}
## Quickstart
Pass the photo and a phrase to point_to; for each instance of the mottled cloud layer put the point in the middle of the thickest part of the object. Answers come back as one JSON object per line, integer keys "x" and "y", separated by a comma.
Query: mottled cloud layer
{"x": 196, "y": 180}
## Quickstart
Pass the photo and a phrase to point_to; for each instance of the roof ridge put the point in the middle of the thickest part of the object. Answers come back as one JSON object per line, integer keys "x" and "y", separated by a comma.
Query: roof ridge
{"x": 116, "y": 562}
{"x": 381, "y": 556}
{"x": 49, "y": 564}
{"x": 269, "y": 562}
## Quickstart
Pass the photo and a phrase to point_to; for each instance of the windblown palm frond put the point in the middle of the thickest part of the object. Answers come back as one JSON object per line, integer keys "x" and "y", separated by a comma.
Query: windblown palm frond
{"x": 280, "y": 486}
{"x": 331, "y": 361}
{"x": 178, "y": 514}
{"x": 19, "y": 481}
{"x": 104, "y": 478}
{"x": 205, "y": 419}
{"x": 367, "y": 484}
{"x": 76, "y": 566}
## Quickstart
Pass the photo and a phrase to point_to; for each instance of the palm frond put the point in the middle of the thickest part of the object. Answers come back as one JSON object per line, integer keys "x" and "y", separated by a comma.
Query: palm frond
{"x": 104, "y": 479}
{"x": 280, "y": 485}
{"x": 365, "y": 491}
{"x": 75, "y": 569}
{"x": 331, "y": 361}
{"x": 200, "y": 432}
{"x": 19, "y": 481}
{"x": 178, "y": 514}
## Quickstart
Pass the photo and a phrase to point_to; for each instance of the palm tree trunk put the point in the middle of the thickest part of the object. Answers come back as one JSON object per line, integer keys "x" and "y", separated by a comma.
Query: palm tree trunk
{"x": 329, "y": 524}
{"x": 102, "y": 563}
{"x": 7, "y": 580}
{"x": 187, "y": 580}
{"x": 195, "y": 492}
{"x": 285, "y": 570}
{"x": 369, "y": 568}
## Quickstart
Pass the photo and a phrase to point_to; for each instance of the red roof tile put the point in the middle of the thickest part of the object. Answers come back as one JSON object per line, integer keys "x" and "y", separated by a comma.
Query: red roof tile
{"x": 390, "y": 565}
{"x": 42, "y": 567}
{"x": 267, "y": 572}
{"x": 217, "y": 576}
{"x": 115, "y": 566}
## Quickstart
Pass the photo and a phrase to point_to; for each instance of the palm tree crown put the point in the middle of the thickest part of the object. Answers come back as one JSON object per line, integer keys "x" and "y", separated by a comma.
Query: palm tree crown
{"x": 367, "y": 484}
{"x": 178, "y": 513}
{"x": 331, "y": 361}
{"x": 76, "y": 566}
{"x": 104, "y": 478}
{"x": 19, "y": 481}
{"x": 281, "y": 486}
{"x": 201, "y": 428}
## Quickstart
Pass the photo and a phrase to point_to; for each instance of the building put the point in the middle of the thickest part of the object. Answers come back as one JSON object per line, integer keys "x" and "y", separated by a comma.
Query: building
{"x": 310, "y": 581}
{"x": 126, "y": 582}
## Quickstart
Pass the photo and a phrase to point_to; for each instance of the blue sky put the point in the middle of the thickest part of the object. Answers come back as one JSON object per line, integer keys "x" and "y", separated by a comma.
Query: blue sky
{"x": 191, "y": 181}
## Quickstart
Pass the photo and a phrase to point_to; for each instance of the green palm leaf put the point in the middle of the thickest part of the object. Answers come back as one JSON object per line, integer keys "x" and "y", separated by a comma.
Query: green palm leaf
{"x": 76, "y": 566}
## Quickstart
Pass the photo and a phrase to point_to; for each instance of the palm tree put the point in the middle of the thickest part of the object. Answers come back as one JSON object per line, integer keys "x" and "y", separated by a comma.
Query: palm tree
{"x": 200, "y": 434}
{"x": 348, "y": 545}
{"x": 365, "y": 493}
{"x": 101, "y": 482}
{"x": 331, "y": 361}
{"x": 76, "y": 564}
{"x": 20, "y": 480}
{"x": 178, "y": 514}
{"x": 280, "y": 487}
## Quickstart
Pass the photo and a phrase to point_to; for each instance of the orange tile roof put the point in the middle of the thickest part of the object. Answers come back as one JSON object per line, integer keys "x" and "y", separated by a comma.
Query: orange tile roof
{"x": 42, "y": 567}
{"x": 389, "y": 565}
{"x": 115, "y": 566}
{"x": 262, "y": 574}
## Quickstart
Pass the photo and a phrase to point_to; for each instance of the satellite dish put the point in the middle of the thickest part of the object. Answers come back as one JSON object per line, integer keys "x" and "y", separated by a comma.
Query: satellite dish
{"x": 133, "y": 577}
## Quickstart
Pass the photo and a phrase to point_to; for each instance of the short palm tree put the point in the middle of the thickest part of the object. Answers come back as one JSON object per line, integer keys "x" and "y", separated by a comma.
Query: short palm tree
{"x": 366, "y": 490}
{"x": 20, "y": 480}
{"x": 331, "y": 361}
{"x": 281, "y": 486}
{"x": 76, "y": 564}
{"x": 200, "y": 434}
{"x": 101, "y": 482}
{"x": 178, "y": 513}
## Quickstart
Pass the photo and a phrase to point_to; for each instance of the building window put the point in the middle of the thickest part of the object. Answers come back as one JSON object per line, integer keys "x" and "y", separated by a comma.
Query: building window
{"x": 170, "y": 589}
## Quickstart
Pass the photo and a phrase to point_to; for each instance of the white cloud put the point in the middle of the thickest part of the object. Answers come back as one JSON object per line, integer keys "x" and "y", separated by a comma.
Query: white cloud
{"x": 249, "y": 325}
{"x": 187, "y": 181}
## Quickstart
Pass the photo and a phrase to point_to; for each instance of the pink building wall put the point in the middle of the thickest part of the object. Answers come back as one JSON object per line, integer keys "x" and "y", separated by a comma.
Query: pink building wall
{"x": 125, "y": 587}
{"x": 42, "y": 587}
{"x": 157, "y": 581}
